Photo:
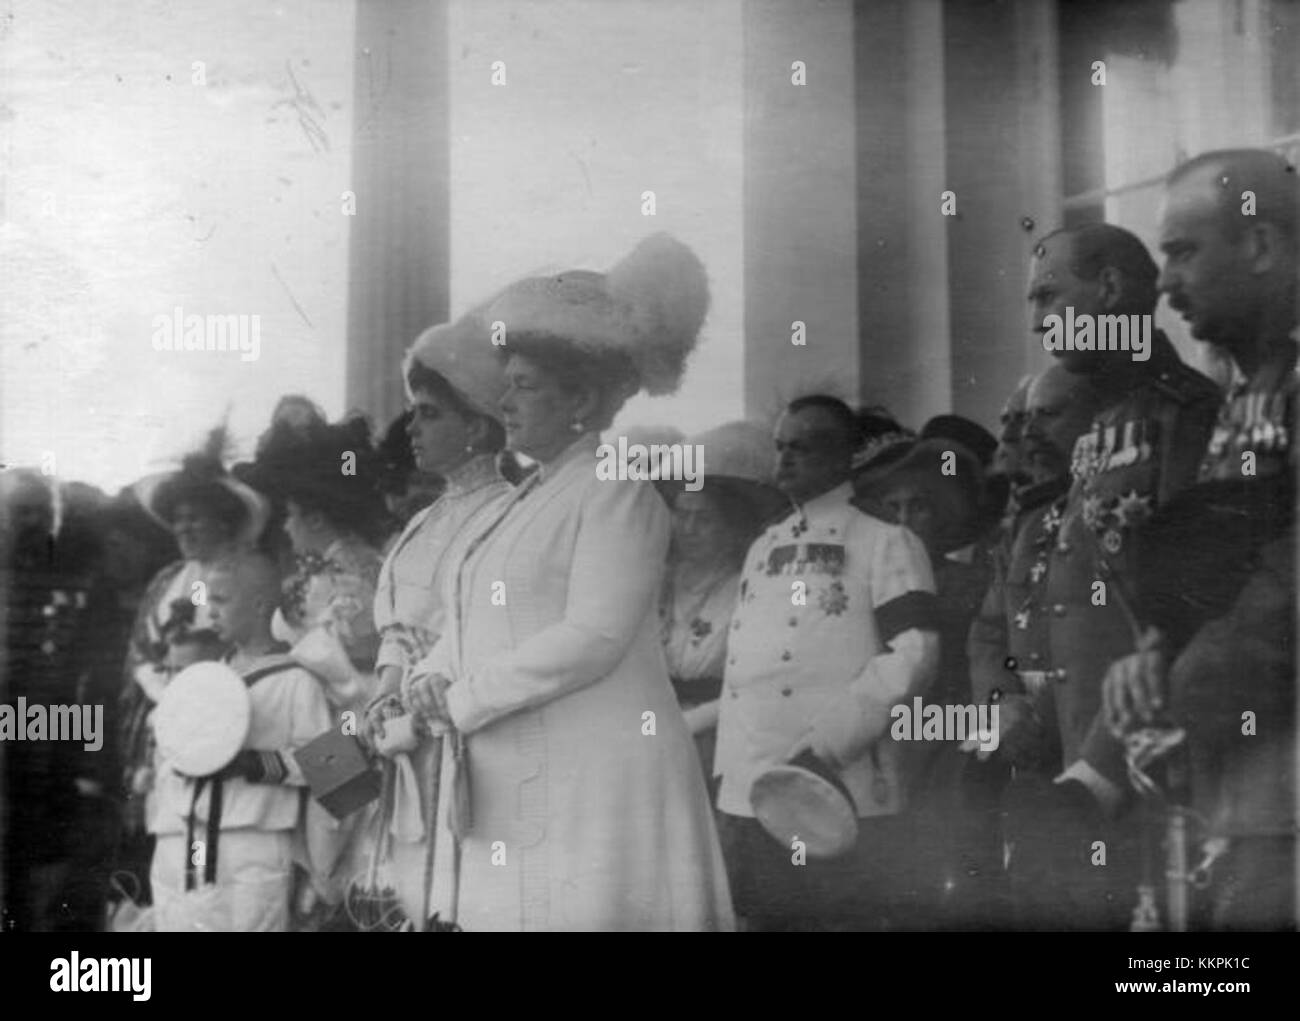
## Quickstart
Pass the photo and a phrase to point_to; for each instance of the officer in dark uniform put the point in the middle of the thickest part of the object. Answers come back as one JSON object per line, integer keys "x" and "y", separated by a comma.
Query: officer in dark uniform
{"x": 1141, "y": 449}
{"x": 1230, "y": 236}
{"x": 1008, "y": 645}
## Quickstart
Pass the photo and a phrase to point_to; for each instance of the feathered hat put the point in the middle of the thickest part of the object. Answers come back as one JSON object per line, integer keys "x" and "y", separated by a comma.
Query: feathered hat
{"x": 463, "y": 354}
{"x": 203, "y": 480}
{"x": 307, "y": 466}
{"x": 647, "y": 309}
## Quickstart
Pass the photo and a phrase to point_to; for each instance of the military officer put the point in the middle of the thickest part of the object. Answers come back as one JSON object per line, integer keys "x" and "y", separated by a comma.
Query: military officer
{"x": 1230, "y": 229}
{"x": 1142, "y": 448}
{"x": 833, "y": 627}
{"x": 1008, "y": 644}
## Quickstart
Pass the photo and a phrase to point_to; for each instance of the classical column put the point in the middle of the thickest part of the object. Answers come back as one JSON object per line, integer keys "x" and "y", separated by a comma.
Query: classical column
{"x": 398, "y": 259}
{"x": 800, "y": 231}
{"x": 902, "y": 172}
{"x": 1004, "y": 159}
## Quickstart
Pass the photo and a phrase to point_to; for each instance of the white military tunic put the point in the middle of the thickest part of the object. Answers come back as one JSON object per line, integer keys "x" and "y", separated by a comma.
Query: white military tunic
{"x": 834, "y": 657}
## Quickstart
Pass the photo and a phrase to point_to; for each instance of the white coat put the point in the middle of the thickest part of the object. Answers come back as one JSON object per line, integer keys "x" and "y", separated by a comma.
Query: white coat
{"x": 807, "y": 652}
{"x": 589, "y": 809}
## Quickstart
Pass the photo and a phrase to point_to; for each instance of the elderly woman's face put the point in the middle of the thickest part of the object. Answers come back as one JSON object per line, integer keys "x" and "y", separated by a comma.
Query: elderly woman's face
{"x": 700, "y": 531}
{"x": 538, "y": 414}
{"x": 199, "y": 533}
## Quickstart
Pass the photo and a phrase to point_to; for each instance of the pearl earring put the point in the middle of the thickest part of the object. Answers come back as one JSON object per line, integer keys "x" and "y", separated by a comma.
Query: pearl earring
{"x": 576, "y": 426}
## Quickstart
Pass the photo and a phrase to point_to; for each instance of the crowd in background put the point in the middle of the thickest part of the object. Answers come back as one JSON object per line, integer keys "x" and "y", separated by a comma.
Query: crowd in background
{"x": 1113, "y": 570}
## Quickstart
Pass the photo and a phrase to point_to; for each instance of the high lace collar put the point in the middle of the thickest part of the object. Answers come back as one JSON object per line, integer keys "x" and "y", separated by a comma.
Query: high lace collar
{"x": 477, "y": 472}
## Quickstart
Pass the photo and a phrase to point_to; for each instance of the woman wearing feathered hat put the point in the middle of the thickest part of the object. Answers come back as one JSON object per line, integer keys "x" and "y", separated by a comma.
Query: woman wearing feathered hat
{"x": 586, "y": 808}
{"x": 713, "y": 527}
{"x": 327, "y": 479}
{"x": 453, "y": 383}
{"x": 211, "y": 515}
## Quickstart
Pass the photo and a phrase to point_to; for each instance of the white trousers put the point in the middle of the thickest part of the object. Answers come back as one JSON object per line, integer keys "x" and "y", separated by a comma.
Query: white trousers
{"x": 251, "y": 894}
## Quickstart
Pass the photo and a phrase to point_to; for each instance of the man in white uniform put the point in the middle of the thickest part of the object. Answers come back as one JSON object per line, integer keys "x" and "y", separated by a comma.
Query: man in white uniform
{"x": 834, "y": 626}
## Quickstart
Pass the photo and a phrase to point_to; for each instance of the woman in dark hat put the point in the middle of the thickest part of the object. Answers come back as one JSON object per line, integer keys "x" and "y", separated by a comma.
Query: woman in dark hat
{"x": 211, "y": 515}
{"x": 587, "y": 809}
{"x": 327, "y": 476}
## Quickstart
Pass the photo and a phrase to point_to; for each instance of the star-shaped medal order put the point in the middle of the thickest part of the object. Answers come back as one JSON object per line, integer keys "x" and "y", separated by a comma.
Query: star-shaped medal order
{"x": 1132, "y": 510}
{"x": 1037, "y": 571}
{"x": 1022, "y": 620}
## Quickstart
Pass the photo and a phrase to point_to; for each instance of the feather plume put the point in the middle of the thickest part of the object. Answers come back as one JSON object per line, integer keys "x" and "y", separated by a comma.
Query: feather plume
{"x": 208, "y": 462}
{"x": 665, "y": 290}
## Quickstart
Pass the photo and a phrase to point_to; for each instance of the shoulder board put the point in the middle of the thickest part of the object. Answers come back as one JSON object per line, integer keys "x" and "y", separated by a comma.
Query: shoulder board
{"x": 1183, "y": 384}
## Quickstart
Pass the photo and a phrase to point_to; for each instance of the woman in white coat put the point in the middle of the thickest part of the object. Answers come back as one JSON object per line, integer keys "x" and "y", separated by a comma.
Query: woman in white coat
{"x": 586, "y": 807}
{"x": 454, "y": 383}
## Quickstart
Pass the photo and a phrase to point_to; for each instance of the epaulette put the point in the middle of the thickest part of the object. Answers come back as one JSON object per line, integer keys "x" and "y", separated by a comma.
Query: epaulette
{"x": 1184, "y": 385}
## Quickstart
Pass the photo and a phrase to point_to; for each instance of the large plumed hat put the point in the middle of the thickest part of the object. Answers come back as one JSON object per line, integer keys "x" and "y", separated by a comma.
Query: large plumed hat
{"x": 204, "y": 481}
{"x": 463, "y": 354}
{"x": 648, "y": 309}
{"x": 307, "y": 466}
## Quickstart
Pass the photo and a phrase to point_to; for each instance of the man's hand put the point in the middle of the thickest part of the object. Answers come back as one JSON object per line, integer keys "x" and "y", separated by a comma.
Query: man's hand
{"x": 1133, "y": 688}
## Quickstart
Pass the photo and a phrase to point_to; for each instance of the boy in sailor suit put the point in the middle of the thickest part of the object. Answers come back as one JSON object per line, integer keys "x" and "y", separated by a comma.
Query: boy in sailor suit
{"x": 239, "y": 878}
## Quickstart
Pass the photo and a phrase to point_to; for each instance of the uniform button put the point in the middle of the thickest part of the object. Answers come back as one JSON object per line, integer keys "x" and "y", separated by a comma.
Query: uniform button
{"x": 787, "y": 692}
{"x": 1063, "y": 548}
{"x": 47, "y": 647}
{"x": 1035, "y": 657}
{"x": 786, "y": 655}
{"x": 1058, "y": 674}
{"x": 735, "y": 693}
{"x": 735, "y": 625}
{"x": 1059, "y": 609}
{"x": 732, "y": 661}
{"x": 794, "y": 621}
